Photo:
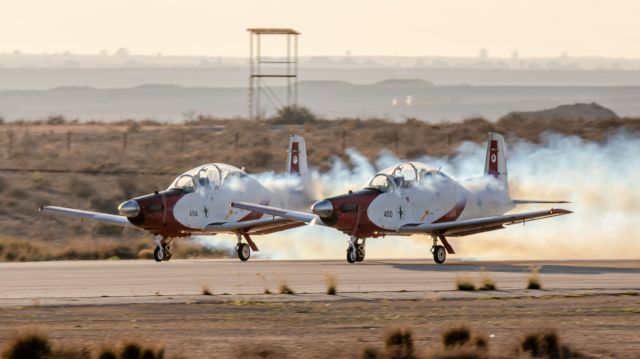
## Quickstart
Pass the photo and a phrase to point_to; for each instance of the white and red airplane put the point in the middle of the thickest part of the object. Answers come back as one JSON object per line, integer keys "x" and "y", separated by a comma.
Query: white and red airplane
{"x": 412, "y": 198}
{"x": 198, "y": 203}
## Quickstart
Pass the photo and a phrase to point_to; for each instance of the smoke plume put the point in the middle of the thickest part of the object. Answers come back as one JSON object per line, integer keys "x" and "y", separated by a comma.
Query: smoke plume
{"x": 599, "y": 179}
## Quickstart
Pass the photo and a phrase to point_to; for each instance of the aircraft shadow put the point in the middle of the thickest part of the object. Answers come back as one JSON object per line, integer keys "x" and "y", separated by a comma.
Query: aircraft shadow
{"x": 508, "y": 268}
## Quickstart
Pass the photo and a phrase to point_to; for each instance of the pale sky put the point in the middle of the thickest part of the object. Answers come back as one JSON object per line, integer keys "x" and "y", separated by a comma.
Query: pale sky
{"x": 329, "y": 27}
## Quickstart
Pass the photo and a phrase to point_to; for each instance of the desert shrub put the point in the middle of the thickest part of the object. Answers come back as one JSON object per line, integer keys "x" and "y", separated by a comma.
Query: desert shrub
{"x": 488, "y": 284}
{"x": 546, "y": 344}
{"x": 399, "y": 343}
{"x": 56, "y": 120}
{"x": 465, "y": 284}
{"x": 284, "y": 289}
{"x": 206, "y": 290}
{"x": 456, "y": 336}
{"x": 534, "y": 281}
{"x": 28, "y": 345}
{"x": 294, "y": 115}
{"x": 331, "y": 281}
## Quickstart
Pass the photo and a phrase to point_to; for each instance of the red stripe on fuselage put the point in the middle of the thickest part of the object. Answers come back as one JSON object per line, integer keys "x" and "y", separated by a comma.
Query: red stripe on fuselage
{"x": 253, "y": 215}
{"x": 455, "y": 212}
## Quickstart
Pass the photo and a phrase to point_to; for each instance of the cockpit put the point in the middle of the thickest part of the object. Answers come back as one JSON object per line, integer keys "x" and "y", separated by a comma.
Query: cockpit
{"x": 405, "y": 175}
{"x": 212, "y": 175}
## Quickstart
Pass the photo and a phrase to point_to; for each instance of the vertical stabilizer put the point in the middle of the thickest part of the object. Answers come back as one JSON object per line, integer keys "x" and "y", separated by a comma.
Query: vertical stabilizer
{"x": 297, "y": 162}
{"x": 495, "y": 164}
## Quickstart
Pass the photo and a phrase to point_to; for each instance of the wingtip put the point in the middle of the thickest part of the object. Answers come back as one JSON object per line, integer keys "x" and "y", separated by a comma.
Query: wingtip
{"x": 559, "y": 211}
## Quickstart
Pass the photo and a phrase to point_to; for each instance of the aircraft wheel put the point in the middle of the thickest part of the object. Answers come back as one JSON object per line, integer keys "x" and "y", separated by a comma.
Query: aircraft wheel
{"x": 158, "y": 254}
{"x": 439, "y": 254}
{"x": 352, "y": 255}
{"x": 244, "y": 251}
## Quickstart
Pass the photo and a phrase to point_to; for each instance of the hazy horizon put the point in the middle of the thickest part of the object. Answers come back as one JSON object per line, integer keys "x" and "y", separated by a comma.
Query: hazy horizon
{"x": 331, "y": 28}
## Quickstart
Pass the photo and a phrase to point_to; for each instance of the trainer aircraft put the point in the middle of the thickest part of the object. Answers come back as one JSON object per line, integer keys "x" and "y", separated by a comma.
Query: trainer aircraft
{"x": 198, "y": 203}
{"x": 412, "y": 198}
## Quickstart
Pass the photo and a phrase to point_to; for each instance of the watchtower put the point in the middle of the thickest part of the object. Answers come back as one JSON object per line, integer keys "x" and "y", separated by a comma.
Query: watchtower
{"x": 282, "y": 68}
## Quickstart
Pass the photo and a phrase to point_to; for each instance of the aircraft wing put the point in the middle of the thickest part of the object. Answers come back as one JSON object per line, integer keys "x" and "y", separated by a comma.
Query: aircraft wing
{"x": 478, "y": 225}
{"x": 96, "y": 216}
{"x": 254, "y": 226}
{"x": 295, "y": 216}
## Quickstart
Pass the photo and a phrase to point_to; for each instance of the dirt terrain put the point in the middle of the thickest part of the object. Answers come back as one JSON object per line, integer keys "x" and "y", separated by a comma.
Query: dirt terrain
{"x": 97, "y": 166}
{"x": 602, "y": 326}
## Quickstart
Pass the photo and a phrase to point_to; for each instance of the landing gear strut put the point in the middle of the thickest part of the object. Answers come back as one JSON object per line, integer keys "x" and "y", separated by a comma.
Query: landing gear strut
{"x": 243, "y": 250}
{"x": 162, "y": 252}
{"x": 439, "y": 251}
{"x": 356, "y": 251}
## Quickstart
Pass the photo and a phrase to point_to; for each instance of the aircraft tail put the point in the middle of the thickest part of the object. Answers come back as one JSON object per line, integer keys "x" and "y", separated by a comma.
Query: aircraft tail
{"x": 495, "y": 164}
{"x": 297, "y": 163}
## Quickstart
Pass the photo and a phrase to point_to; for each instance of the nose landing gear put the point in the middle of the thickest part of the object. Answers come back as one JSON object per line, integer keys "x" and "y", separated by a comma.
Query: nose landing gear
{"x": 356, "y": 250}
{"x": 162, "y": 252}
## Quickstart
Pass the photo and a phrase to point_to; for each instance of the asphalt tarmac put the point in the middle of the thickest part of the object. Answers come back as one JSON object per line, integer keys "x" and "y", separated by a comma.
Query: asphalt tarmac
{"x": 140, "y": 281}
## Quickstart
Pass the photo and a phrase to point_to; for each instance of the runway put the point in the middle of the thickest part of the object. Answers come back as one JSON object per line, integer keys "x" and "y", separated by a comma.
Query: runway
{"x": 120, "y": 280}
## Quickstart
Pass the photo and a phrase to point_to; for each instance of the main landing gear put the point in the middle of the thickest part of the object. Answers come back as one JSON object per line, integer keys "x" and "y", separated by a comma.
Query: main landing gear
{"x": 244, "y": 249}
{"x": 440, "y": 251}
{"x": 355, "y": 251}
{"x": 162, "y": 252}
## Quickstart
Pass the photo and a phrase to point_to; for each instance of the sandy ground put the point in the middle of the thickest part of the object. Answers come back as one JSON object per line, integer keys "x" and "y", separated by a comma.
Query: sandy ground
{"x": 594, "y": 305}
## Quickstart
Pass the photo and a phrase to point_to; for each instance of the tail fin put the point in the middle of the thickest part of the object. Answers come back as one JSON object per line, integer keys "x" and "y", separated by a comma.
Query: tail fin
{"x": 297, "y": 163}
{"x": 496, "y": 160}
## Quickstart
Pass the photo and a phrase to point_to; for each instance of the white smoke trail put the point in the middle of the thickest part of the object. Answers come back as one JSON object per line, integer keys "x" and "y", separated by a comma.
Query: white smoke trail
{"x": 601, "y": 181}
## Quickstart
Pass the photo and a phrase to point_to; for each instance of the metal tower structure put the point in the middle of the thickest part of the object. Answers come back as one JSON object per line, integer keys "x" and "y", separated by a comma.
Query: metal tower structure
{"x": 280, "y": 68}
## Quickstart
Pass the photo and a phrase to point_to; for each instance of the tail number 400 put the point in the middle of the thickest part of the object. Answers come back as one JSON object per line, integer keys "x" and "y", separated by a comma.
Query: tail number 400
{"x": 388, "y": 214}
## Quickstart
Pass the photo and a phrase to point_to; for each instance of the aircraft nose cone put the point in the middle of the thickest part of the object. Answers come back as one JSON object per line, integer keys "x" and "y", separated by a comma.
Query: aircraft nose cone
{"x": 129, "y": 208}
{"x": 322, "y": 208}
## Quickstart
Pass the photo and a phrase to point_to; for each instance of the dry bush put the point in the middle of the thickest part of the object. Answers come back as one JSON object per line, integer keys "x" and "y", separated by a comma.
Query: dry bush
{"x": 465, "y": 284}
{"x": 28, "y": 345}
{"x": 331, "y": 280}
{"x": 487, "y": 284}
{"x": 284, "y": 289}
{"x": 206, "y": 290}
{"x": 399, "y": 343}
{"x": 546, "y": 344}
{"x": 259, "y": 351}
{"x": 534, "y": 281}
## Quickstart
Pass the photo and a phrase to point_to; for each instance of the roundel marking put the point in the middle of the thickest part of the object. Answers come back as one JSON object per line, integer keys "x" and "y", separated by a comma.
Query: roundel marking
{"x": 493, "y": 158}
{"x": 294, "y": 159}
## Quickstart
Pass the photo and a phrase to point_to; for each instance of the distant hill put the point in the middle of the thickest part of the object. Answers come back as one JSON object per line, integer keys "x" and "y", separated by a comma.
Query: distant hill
{"x": 587, "y": 111}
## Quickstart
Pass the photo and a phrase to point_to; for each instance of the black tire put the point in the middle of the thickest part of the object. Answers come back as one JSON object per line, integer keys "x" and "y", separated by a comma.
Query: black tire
{"x": 158, "y": 254}
{"x": 351, "y": 255}
{"x": 439, "y": 254}
{"x": 244, "y": 251}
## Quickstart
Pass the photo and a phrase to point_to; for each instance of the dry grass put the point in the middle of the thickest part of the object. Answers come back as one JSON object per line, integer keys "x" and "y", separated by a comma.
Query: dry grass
{"x": 534, "y": 281}
{"x": 331, "y": 280}
{"x": 487, "y": 284}
{"x": 458, "y": 342}
{"x": 465, "y": 283}
{"x": 546, "y": 344}
{"x": 284, "y": 289}
{"x": 206, "y": 290}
